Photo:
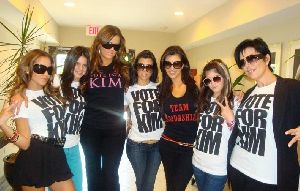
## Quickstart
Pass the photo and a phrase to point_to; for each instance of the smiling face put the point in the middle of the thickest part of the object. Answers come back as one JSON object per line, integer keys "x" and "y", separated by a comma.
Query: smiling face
{"x": 38, "y": 81}
{"x": 80, "y": 68}
{"x": 172, "y": 72}
{"x": 257, "y": 68}
{"x": 215, "y": 82}
{"x": 109, "y": 54}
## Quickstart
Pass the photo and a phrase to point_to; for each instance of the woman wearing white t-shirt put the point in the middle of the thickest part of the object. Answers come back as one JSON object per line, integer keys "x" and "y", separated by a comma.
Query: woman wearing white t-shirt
{"x": 40, "y": 129}
{"x": 145, "y": 118}
{"x": 215, "y": 107}
{"x": 262, "y": 155}
{"x": 73, "y": 84}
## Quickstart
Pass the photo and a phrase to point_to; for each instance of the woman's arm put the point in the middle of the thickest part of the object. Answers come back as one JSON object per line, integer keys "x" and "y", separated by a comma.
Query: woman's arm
{"x": 21, "y": 136}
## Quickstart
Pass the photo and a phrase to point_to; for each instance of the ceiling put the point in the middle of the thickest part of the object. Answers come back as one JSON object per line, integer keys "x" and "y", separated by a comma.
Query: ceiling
{"x": 147, "y": 15}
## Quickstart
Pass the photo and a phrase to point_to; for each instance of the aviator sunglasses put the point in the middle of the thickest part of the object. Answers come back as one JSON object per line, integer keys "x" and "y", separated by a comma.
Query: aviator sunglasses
{"x": 207, "y": 81}
{"x": 109, "y": 45}
{"x": 250, "y": 59}
{"x": 176, "y": 64}
{"x": 140, "y": 66}
{"x": 41, "y": 69}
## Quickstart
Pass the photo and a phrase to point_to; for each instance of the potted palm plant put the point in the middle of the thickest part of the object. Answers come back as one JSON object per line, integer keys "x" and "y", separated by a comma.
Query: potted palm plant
{"x": 25, "y": 38}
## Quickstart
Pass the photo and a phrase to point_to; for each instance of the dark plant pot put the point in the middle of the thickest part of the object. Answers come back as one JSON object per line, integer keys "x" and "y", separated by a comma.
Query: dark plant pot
{"x": 9, "y": 168}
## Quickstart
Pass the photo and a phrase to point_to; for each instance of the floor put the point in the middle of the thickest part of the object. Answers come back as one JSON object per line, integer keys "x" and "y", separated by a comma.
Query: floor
{"x": 127, "y": 178}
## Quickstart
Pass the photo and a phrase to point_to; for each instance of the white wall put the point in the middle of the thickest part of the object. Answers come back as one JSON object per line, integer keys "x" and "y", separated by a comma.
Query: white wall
{"x": 5, "y": 37}
{"x": 157, "y": 42}
{"x": 281, "y": 32}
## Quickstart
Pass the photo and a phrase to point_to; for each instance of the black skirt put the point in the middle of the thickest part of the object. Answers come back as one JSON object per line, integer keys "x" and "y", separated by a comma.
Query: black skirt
{"x": 41, "y": 165}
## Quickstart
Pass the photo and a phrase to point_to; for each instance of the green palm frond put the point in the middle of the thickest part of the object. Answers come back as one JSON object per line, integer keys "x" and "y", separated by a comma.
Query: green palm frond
{"x": 25, "y": 39}
{"x": 238, "y": 80}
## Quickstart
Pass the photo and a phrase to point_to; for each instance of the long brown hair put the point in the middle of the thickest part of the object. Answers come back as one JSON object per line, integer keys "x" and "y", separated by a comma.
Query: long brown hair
{"x": 206, "y": 93}
{"x": 67, "y": 76}
{"x": 104, "y": 36}
{"x": 24, "y": 73}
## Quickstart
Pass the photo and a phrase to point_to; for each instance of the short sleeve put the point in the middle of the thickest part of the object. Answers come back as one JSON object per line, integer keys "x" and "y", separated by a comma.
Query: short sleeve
{"x": 23, "y": 112}
{"x": 236, "y": 104}
{"x": 126, "y": 99}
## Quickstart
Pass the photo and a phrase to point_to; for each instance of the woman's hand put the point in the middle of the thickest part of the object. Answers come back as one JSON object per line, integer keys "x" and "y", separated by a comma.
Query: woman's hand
{"x": 226, "y": 111}
{"x": 18, "y": 99}
{"x": 7, "y": 112}
{"x": 239, "y": 95}
{"x": 296, "y": 133}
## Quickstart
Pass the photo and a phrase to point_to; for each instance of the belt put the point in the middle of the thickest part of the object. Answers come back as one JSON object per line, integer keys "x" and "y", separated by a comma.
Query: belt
{"x": 58, "y": 142}
{"x": 177, "y": 142}
{"x": 149, "y": 142}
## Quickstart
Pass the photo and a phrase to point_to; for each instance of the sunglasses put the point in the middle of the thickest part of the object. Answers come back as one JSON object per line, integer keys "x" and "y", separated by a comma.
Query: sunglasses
{"x": 207, "y": 81}
{"x": 109, "y": 45}
{"x": 142, "y": 67}
{"x": 250, "y": 59}
{"x": 176, "y": 64}
{"x": 41, "y": 69}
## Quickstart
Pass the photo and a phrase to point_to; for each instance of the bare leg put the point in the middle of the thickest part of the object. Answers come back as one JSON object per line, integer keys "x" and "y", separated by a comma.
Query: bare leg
{"x": 30, "y": 188}
{"x": 63, "y": 186}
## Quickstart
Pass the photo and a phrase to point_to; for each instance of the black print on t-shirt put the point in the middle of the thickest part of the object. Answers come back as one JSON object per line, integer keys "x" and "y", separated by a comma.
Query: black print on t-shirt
{"x": 251, "y": 115}
{"x": 103, "y": 80}
{"x": 146, "y": 110}
{"x": 75, "y": 114}
{"x": 52, "y": 110}
{"x": 208, "y": 138}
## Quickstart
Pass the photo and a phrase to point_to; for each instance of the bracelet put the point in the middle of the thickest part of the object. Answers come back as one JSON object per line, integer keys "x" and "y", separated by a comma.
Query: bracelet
{"x": 230, "y": 124}
{"x": 14, "y": 138}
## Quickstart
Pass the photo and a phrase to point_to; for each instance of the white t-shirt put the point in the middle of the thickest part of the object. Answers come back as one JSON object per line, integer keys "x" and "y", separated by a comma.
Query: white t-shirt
{"x": 255, "y": 152}
{"x": 145, "y": 112}
{"x": 74, "y": 115}
{"x": 211, "y": 143}
{"x": 45, "y": 114}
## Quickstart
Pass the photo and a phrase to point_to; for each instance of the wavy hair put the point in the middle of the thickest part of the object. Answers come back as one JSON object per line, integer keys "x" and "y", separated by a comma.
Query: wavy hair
{"x": 165, "y": 86}
{"x": 104, "y": 36}
{"x": 144, "y": 54}
{"x": 67, "y": 76}
{"x": 24, "y": 73}
{"x": 206, "y": 93}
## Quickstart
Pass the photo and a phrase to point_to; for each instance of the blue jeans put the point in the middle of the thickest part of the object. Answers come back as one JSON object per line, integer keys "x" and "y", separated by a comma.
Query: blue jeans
{"x": 145, "y": 161}
{"x": 74, "y": 162}
{"x": 209, "y": 182}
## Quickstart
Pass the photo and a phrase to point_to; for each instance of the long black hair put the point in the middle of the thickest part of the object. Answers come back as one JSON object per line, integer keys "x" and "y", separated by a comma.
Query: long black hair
{"x": 67, "y": 76}
{"x": 165, "y": 86}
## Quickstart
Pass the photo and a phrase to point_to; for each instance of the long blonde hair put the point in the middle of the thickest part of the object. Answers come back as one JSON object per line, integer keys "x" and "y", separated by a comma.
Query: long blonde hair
{"x": 24, "y": 73}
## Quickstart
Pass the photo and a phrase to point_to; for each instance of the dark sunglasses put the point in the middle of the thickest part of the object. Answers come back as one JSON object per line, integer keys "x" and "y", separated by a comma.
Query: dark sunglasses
{"x": 207, "y": 81}
{"x": 140, "y": 66}
{"x": 109, "y": 45}
{"x": 41, "y": 69}
{"x": 176, "y": 64}
{"x": 250, "y": 59}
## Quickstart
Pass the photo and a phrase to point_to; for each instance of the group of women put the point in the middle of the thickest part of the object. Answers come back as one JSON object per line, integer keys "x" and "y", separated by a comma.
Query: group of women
{"x": 205, "y": 132}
